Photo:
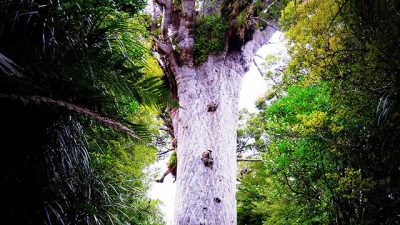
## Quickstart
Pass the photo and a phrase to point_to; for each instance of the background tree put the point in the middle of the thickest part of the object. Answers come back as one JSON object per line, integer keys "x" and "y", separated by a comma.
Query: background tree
{"x": 204, "y": 49}
{"x": 74, "y": 128}
{"x": 332, "y": 139}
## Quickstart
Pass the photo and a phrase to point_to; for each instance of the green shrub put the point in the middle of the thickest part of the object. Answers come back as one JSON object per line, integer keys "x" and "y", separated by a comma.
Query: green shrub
{"x": 209, "y": 32}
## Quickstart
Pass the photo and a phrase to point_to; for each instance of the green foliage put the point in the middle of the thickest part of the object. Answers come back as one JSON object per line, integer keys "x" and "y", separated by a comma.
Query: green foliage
{"x": 69, "y": 169}
{"x": 119, "y": 181}
{"x": 172, "y": 162}
{"x": 274, "y": 9}
{"x": 290, "y": 158}
{"x": 250, "y": 190}
{"x": 241, "y": 24}
{"x": 329, "y": 128}
{"x": 177, "y": 4}
{"x": 210, "y": 36}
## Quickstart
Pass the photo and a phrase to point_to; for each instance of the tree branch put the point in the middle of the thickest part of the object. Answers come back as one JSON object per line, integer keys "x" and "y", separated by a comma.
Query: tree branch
{"x": 160, "y": 2}
{"x": 232, "y": 21}
{"x": 185, "y": 35}
{"x": 261, "y": 73}
{"x": 298, "y": 192}
{"x": 75, "y": 108}
{"x": 168, "y": 124}
{"x": 166, "y": 21}
{"x": 175, "y": 20}
{"x": 154, "y": 17}
{"x": 161, "y": 47}
{"x": 164, "y": 46}
{"x": 265, "y": 21}
{"x": 258, "y": 68}
{"x": 166, "y": 151}
{"x": 248, "y": 160}
{"x": 169, "y": 77}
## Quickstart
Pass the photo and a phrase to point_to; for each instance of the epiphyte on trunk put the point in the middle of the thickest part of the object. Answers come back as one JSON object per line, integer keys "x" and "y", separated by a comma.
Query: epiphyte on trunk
{"x": 207, "y": 158}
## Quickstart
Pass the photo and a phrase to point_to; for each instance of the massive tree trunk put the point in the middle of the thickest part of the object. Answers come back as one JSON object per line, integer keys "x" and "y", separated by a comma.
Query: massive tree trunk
{"x": 207, "y": 120}
{"x": 205, "y": 123}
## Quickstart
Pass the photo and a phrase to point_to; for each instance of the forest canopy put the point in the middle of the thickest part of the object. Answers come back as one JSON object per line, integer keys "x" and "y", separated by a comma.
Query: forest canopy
{"x": 329, "y": 131}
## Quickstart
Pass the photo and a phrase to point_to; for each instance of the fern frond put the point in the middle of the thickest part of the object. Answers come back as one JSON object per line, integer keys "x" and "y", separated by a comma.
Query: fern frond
{"x": 152, "y": 92}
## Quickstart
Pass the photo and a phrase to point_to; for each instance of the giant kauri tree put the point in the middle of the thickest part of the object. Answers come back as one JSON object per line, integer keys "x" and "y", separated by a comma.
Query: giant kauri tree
{"x": 204, "y": 49}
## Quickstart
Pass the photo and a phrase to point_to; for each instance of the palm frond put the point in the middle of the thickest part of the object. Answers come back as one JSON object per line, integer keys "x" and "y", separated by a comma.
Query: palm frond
{"x": 75, "y": 108}
{"x": 7, "y": 66}
{"x": 67, "y": 61}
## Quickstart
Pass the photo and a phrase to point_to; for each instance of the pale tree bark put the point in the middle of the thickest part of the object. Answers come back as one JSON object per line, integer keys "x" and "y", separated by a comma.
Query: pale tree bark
{"x": 207, "y": 121}
{"x": 205, "y": 124}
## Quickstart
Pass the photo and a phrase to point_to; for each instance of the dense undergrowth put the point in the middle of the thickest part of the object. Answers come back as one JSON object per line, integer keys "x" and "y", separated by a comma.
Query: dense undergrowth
{"x": 77, "y": 108}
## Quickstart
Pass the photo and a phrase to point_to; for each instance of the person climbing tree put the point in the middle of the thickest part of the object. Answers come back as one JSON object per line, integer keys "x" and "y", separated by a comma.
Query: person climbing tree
{"x": 171, "y": 168}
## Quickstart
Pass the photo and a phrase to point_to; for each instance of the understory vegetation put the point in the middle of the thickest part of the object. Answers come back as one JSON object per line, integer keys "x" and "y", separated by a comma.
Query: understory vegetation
{"x": 79, "y": 93}
{"x": 329, "y": 131}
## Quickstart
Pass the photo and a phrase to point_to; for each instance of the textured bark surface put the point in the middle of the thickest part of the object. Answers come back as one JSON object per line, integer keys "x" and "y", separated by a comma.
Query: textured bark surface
{"x": 208, "y": 96}
{"x": 207, "y": 121}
